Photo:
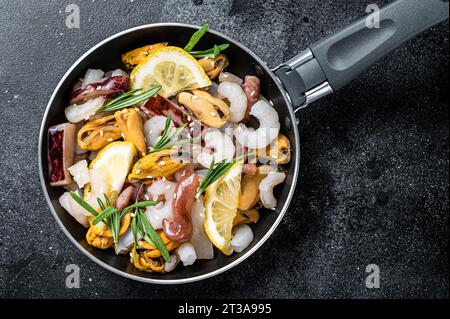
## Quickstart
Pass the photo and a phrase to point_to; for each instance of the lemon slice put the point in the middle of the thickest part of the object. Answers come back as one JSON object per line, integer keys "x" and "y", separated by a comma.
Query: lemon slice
{"x": 221, "y": 200}
{"x": 109, "y": 171}
{"x": 172, "y": 68}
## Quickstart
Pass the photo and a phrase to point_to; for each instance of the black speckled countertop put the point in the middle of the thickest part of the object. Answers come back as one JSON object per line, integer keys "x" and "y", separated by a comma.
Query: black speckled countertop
{"x": 373, "y": 186}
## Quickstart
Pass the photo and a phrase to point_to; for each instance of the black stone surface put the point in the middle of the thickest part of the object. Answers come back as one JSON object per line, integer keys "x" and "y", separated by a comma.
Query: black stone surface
{"x": 374, "y": 177}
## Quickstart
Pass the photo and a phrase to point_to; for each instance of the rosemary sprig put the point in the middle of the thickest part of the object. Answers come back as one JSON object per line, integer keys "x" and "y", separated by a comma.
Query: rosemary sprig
{"x": 109, "y": 214}
{"x": 210, "y": 53}
{"x": 105, "y": 214}
{"x": 196, "y": 37}
{"x": 213, "y": 174}
{"x": 134, "y": 230}
{"x": 100, "y": 203}
{"x": 125, "y": 95}
{"x": 83, "y": 204}
{"x": 141, "y": 226}
{"x": 151, "y": 232}
{"x": 106, "y": 199}
{"x": 114, "y": 225}
{"x": 168, "y": 141}
{"x": 215, "y": 171}
{"x": 138, "y": 205}
{"x": 112, "y": 217}
{"x": 129, "y": 99}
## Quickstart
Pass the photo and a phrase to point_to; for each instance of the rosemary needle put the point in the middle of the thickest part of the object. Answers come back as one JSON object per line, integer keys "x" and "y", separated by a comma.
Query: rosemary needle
{"x": 84, "y": 204}
{"x": 129, "y": 99}
{"x": 166, "y": 141}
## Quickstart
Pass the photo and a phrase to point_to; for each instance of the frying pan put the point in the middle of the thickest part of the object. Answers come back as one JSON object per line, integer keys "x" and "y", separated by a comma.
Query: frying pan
{"x": 323, "y": 68}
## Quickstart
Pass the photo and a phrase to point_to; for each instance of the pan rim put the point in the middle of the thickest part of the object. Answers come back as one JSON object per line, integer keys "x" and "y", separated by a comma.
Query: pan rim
{"x": 224, "y": 268}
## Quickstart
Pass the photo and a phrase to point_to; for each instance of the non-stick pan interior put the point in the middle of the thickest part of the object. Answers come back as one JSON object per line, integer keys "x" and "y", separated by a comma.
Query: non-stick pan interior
{"x": 108, "y": 57}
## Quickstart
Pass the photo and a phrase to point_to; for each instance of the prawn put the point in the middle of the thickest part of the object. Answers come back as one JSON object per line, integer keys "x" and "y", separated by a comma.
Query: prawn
{"x": 268, "y": 130}
{"x": 164, "y": 191}
{"x": 266, "y": 188}
{"x": 237, "y": 98}
{"x": 221, "y": 145}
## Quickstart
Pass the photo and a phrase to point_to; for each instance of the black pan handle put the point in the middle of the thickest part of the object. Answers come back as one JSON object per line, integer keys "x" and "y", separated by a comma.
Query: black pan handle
{"x": 331, "y": 63}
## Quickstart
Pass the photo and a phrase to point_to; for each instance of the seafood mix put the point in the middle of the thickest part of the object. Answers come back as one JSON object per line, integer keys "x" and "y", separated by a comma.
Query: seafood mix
{"x": 169, "y": 160}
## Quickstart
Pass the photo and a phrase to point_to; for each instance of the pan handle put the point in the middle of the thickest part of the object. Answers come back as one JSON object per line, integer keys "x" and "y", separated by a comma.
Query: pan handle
{"x": 331, "y": 63}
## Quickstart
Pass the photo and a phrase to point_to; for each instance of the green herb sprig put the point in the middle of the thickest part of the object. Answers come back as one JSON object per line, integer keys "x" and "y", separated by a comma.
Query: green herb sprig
{"x": 110, "y": 215}
{"x": 215, "y": 171}
{"x": 195, "y": 38}
{"x": 166, "y": 141}
{"x": 213, "y": 174}
{"x": 142, "y": 204}
{"x": 141, "y": 226}
{"x": 210, "y": 53}
{"x": 129, "y": 99}
{"x": 84, "y": 204}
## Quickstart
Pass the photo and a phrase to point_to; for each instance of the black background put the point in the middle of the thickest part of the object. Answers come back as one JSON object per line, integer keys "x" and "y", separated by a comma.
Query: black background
{"x": 373, "y": 186}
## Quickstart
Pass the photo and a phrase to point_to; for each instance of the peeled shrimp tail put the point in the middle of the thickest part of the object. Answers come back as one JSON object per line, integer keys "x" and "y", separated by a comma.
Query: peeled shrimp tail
{"x": 218, "y": 146}
{"x": 266, "y": 188}
{"x": 164, "y": 191}
{"x": 238, "y": 100}
{"x": 153, "y": 129}
{"x": 267, "y": 131}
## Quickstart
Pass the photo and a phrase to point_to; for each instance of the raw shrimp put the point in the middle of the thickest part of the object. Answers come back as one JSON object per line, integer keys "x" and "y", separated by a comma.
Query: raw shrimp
{"x": 238, "y": 100}
{"x": 229, "y": 77}
{"x": 179, "y": 228}
{"x": 266, "y": 188}
{"x": 156, "y": 214}
{"x": 242, "y": 238}
{"x": 228, "y": 129}
{"x": 267, "y": 131}
{"x": 221, "y": 145}
{"x": 154, "y": 127}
